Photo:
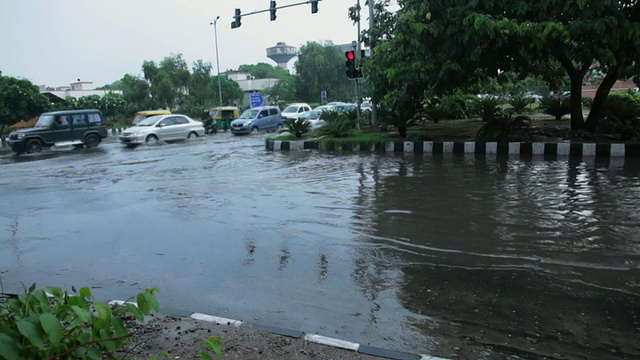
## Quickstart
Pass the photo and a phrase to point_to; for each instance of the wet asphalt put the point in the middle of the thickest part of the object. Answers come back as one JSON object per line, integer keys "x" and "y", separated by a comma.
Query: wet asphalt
{"x": 450, "y": 256}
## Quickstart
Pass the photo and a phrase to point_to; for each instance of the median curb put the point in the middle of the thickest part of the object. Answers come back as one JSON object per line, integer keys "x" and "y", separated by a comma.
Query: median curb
{"x": 548, "y": 150}
{"x": 297, "y": 334}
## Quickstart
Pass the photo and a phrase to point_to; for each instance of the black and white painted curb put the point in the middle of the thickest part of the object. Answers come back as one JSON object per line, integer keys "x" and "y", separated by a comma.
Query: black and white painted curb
{"x": 548, "y": 150}
{"x": 297, "y": 334}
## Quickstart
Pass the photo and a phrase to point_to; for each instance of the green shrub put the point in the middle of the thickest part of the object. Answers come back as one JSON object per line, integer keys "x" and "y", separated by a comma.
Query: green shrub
{"x": 622, "y": 116}
{"x": 504, "y": 127}
{"x": 587, "y": 102}
{"x": 337, "y": 125}
{"x": 556, "y": 106}
{"x": 486, "y": 108}
{"x": 520, "y": 104}
{"x": 298, "y": 127}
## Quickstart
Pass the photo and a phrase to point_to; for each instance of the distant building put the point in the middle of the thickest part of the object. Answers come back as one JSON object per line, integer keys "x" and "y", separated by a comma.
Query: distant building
{"x": 249, "y": 84}
{"x": 76, "y": 90}
{"x": 282, "y": 54}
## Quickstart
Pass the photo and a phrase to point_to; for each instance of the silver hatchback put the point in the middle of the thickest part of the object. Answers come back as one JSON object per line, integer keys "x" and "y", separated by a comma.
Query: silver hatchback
{"x": 162, "y": 128}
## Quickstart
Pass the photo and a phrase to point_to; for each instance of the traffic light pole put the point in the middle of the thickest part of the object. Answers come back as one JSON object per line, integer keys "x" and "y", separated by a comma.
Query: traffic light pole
{"x": 359, "y": 63}
{"x": 374, "y": 111}
{"x": 272, "y": 10}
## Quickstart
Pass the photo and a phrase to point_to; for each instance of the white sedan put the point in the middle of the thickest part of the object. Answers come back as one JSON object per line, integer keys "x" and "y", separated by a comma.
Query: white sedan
{"x": 162, "y": 128}
{"x": 313, "y": 117}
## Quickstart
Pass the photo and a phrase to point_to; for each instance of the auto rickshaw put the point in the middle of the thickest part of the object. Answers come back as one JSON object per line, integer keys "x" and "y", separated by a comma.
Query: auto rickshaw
{"x": 223, "y": 116}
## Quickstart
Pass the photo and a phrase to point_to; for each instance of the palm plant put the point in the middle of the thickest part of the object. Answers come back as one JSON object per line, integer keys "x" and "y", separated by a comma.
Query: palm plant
{"x": 622, "y": 117}
{"x": 519, "y": 104}
{"x": 298, "y": 127}
{"x": 556, "y": 106}
{"x": 486, "y": 108}
{"x": 337, "y": 125}
{"x": 504, "y": 127}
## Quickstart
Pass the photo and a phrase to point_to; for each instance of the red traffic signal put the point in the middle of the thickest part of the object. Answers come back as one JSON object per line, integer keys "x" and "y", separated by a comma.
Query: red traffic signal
{"x": 350, "y": 55}
{"x": 352, "y": 72}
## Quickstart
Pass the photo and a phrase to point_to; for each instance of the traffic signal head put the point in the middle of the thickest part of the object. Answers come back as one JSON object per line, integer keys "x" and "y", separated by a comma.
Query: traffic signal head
{"x": 352, "y": 71}
{"x": 272, "y": 10}
{"x": 236, "y": 22}
{"x": 314, "y": 6}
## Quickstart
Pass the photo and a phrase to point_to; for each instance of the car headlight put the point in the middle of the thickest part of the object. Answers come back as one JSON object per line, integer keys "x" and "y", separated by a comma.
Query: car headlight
{"x": 20, "y": 135}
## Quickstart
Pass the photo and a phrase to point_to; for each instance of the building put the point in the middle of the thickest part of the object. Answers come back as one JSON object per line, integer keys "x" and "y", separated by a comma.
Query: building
{"x": 249, "y": 84}
{"x": 76, "y": 90}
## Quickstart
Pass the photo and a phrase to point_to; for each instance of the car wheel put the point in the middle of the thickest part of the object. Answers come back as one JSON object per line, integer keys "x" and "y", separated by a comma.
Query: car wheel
{"x": 91, "y": 141}
{"x": 34, "y": 146}
{"x": 255, "y": 128}
{"x": 151, "y": 140}
{"x": 192, "y": 135}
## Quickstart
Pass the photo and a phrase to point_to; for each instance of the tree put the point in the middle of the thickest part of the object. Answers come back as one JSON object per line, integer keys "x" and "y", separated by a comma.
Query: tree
{"x": 285, "y": 89}
{"x": 89, "y": 102}
{"x": 231, "y": 91}
{"x": 19, "y": 100}
{"x": 168, "y": 81}
{"x": 458, "y": 42}
{"x": 199, "y": 86}
{"x": 264, "y": 70}
{"x": 113, "y": 105}
{"x": 136, "y": 94}
{"x": 321, "y": 67}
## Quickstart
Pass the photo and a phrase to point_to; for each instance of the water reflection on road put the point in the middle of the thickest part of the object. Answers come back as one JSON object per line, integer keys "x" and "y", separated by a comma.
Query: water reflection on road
{"x": 453, "y": 256}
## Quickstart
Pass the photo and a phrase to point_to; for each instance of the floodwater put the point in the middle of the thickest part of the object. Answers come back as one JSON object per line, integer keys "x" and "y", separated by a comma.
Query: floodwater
{"x": 459, "y": 257}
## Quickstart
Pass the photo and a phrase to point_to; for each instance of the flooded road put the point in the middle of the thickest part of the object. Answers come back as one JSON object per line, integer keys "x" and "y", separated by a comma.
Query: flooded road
{"x": 452, "y": 256}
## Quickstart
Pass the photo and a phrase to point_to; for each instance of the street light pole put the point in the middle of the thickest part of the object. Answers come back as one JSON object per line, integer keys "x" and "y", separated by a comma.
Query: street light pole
{"x": 215, "y": 30}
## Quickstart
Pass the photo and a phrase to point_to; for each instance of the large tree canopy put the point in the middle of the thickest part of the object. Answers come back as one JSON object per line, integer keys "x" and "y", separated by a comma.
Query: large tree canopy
{"x": 439, "y": 45}
{"x": 321, "y": 67}
{"x": 19, "y": 100}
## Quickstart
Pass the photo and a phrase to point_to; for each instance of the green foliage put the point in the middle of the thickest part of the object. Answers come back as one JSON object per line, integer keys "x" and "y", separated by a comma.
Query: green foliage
{"x": 520, "y": 104}
{"x": 298, "y": 127}
{"x": 486, "y": 108}
{"x": 622, "y": 116}
{"x": 556, "y": 106}
{"x": 504, "y": 127}
{"x": 19, "y": 100}
{"x": 587, "y": 102}
{"x": 264, "y": 70}
{"x": 337, "y": 125}
{"x": 320, "y": 66}
{"x": 66, "y": 325}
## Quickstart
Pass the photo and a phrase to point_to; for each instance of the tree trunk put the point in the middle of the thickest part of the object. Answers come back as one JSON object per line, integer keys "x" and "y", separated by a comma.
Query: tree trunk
{"x": 577, "y": 118}
{"x": 597, "y": 109}
{"x": 402, "y": 130}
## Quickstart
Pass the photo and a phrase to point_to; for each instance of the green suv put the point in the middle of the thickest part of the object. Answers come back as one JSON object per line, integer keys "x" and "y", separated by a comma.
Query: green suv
{"x": 74, "y": 127}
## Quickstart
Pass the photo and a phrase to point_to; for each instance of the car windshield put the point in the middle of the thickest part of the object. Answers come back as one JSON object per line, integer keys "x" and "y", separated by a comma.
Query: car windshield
{"x": 290, "y": 109}
{"x": 311, "y": 115}
{"x": 150, "y": 121}
{"x": 44, "y": 121}
{"x": 214, "y": 113}
{"x": 249, "y": 114}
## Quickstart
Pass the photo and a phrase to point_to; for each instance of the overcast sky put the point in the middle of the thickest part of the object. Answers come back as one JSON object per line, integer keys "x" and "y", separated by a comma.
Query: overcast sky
{"x": 56, "y": 42}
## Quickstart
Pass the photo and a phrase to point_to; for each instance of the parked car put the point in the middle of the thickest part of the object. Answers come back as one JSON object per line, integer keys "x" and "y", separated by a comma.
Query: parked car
{"x": 314, "y": 118}
{"x": 74, "y": 127}
{"x": 162, "y": 128}
{"x": 257, "y": 119}
{"x": 293, "y": 111}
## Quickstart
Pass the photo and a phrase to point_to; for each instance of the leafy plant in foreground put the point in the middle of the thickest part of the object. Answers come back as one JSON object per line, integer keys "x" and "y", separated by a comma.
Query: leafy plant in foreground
{"x": 337, "y": 125}
{"x": 58, "y": 325}
{"x": 555, "y": 106}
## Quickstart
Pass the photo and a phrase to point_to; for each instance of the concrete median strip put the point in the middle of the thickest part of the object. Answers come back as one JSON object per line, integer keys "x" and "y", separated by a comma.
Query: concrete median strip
{"x": 546, "y": 150}
{"x": 314, "y": 338}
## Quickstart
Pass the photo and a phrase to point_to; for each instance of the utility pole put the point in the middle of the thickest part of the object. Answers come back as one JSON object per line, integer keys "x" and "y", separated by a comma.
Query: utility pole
{"x": 358, "y": 63}
{"x": 374, "y": 111}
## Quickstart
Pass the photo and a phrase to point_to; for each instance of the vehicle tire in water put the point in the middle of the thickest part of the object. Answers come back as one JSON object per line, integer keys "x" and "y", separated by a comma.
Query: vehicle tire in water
{"x": 34, "y": 146}
{"x": 91, "y": 141}
{"x": 255, "y": 128}
{"x": 192, "y": 135}
{"x": 151, "y": 140}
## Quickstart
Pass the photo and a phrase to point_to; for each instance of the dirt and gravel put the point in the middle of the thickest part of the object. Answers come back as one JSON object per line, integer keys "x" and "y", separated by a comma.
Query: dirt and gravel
{"x": 184, "y": 338}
